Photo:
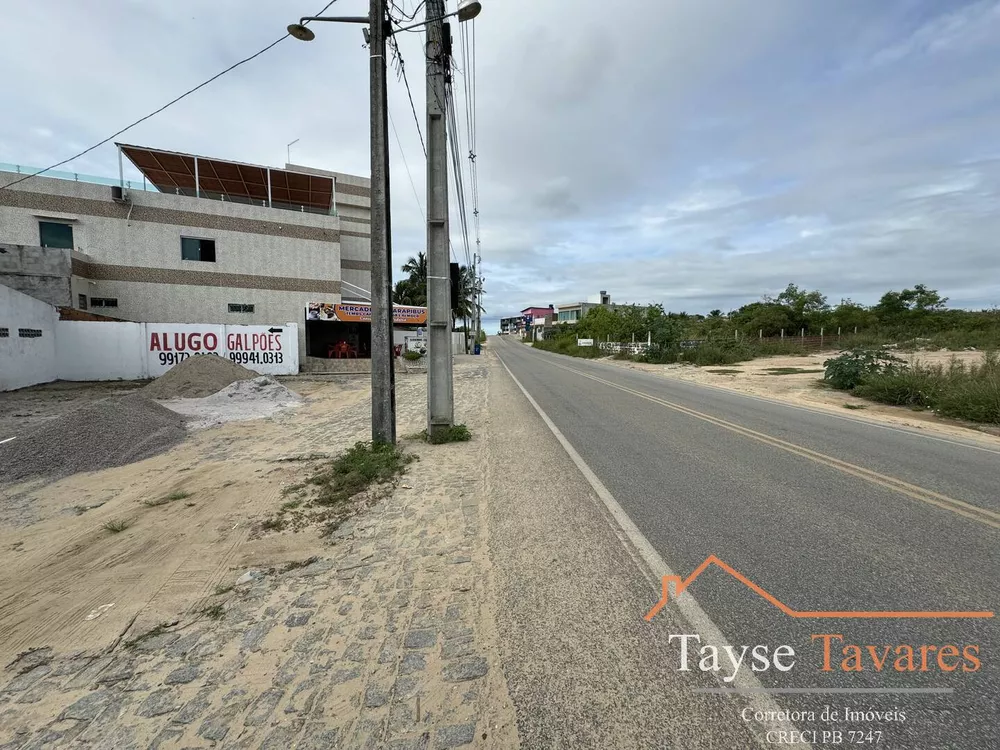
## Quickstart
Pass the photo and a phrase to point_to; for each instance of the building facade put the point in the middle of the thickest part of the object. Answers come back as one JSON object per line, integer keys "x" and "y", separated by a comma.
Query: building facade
{"x": 208, "y": 241}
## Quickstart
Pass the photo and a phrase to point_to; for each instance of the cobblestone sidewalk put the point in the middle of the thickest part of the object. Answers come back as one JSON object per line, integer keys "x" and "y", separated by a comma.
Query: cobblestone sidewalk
{"x": 386, "y": 642}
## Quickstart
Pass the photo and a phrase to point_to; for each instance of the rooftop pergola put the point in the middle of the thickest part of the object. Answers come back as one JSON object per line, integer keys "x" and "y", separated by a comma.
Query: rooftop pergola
{"x": 218, "y": 179}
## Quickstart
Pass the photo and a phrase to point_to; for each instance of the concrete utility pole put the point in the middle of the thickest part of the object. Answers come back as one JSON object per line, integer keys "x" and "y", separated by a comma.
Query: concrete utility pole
{"x": 440, "y": 386}
{"x": 478, "y": 296}
{"x": 383, "y": 370}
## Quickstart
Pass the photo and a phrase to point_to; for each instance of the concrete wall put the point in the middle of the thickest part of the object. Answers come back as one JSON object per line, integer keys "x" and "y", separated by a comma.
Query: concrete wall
{"x": 24, "y": 360}
{"x": 100, "y": 351}
{"x": 39, "y": 272}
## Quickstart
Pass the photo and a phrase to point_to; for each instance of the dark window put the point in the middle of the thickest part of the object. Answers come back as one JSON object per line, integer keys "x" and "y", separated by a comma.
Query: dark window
{"x": 29, "y": 333}
{"x": 52, "y": 234}
{"x": 103, "y": 302}
{"x": 237, "y": 308}
{"x": 195, "y": 249}
{"x": 83, "y": 301}
{"x": 4, "y": 333}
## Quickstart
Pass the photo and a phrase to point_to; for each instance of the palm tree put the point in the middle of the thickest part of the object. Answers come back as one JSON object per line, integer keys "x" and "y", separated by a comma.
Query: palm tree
{"x": 417, "y": 268}
{"x": 467, "y": 303}
{"x": 412, "y": 290}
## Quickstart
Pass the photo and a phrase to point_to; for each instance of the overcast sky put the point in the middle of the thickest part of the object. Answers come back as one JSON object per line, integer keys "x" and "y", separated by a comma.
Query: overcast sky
{"x": 698, "y": 153}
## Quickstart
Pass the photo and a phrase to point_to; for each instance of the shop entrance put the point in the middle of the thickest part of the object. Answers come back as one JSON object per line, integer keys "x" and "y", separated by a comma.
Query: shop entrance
{"x": 331, "y": 339}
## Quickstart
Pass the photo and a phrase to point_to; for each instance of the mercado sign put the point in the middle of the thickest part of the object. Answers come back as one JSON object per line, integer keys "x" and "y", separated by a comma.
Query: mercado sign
{"x": 405, "y": 315}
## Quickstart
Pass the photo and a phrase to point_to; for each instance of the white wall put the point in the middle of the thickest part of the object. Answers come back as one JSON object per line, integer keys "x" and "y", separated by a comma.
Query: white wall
{"x": 26, "y": 361}
{"x": 128, "y": 351}
{"x": 100, "y": 351}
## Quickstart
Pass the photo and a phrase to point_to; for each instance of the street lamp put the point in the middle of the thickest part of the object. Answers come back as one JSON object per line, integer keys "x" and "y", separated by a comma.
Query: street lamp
{"x": 383, "y": 370}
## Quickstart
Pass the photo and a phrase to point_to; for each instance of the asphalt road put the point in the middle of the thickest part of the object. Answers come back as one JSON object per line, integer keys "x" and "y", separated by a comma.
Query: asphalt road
{"x": 825, "y": 514}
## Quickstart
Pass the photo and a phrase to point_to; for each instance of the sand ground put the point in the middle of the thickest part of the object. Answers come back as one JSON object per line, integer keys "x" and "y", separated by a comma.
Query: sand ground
{"x": 379, "y": 635}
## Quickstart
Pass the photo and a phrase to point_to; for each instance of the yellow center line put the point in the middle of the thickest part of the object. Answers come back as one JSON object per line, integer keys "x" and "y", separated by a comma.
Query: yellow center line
{"x": 973, "y": 512}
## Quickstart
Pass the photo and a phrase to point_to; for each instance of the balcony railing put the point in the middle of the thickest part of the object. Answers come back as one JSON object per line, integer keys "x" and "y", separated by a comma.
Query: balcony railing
{"x": 21, "y": 169}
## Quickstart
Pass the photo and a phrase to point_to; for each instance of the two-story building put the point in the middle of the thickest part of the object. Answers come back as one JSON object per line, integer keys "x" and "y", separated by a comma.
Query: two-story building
{"x": 198, "y": 240}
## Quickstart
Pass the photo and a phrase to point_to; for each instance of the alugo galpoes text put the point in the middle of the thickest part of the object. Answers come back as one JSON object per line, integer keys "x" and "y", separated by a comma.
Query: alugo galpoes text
{"x": 834, "y": 655}
{"x": 209, "y": 342}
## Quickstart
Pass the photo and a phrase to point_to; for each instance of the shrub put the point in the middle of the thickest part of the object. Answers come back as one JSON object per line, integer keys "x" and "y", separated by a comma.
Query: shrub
{"x": 848, "y": 370}
{"x": 958, "y": 391}
{"x": 412, "y": 356}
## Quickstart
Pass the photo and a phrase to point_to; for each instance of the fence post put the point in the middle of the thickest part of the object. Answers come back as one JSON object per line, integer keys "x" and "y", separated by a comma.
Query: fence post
{"x": 803, "y": 334}
{"x": 760, "y": 333}
{"x": 821, "y": 337}
{"x": 782, "y": 333}
{"x": 855, "y": 330}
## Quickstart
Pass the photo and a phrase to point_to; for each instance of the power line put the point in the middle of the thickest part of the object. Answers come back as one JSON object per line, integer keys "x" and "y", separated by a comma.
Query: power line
{"x": 407, "y": 166}
{"x": 155, "y": 112}
{"x": 397, "y": 56}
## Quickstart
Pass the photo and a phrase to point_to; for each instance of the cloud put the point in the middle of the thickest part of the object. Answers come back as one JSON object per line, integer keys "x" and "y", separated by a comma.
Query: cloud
{"x": 698, "y": 154}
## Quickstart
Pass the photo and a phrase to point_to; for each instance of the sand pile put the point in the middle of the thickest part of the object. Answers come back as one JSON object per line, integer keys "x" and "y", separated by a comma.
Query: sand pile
{"x": 197, "y": 377}
{"x": 103, "y": 434}
{"x": 259, "y": 397}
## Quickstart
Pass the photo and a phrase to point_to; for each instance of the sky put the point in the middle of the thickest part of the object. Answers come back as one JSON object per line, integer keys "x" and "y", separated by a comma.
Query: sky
{"x": 696, "y": 153}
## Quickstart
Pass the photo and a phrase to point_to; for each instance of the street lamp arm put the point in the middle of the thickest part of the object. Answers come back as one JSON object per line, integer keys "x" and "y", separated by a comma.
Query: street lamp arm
{"x": 335, "y": 19}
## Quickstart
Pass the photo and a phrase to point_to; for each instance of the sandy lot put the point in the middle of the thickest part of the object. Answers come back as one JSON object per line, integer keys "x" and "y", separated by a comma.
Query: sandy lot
{"x": 757, "y": 378}
{"x": 63, "y": 565}
{"x": 378, "y": 635}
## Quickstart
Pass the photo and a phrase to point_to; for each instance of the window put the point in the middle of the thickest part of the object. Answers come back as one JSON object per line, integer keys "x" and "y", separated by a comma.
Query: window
{"x": 239, "y": 308}
{"x": 29, "y": 333}
{"x": 103, "y": 302}
{"x": 83, "y": 301}
{"x": 54, "y": 234}
{"x": 4, "y": 333}
{"x": 193, "y": 248}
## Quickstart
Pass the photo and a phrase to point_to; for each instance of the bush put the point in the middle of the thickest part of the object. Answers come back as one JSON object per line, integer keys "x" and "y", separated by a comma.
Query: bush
{"x": 412, "y": 356}
{"x": 568, "y": 346}
{"x": 847, "y": 371}
{"x": 958, "y": 391}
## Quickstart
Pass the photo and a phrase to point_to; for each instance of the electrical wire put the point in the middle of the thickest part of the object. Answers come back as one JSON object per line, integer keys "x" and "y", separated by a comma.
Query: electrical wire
{"x": 397, "y": 56}
{"x": 155, "y": 112}
{"x": 402, "y": 153}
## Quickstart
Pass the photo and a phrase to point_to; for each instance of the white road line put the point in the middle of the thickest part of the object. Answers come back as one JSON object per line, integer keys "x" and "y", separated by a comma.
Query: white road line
{"x": 8, "y": 440}
{"x": 657, "y": 568}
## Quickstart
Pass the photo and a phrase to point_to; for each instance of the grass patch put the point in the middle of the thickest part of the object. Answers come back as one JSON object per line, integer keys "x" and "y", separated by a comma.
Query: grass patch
{"x": 789, "y": 370}
{"x": 155, "y": 502}
{"x": 178, "y": 495}
{"x": 724, "y": 371}
{"x": 358, "y": 468}
{"x": 222, "y": 588}
{"x": 160, "y": 629}
{"x": 458, "y": 433}
{"x": 854, "y": 407}
{"x": 117, "y": 526}
{"x": 291, "y": 505}
{"x": 214, "y": 612}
